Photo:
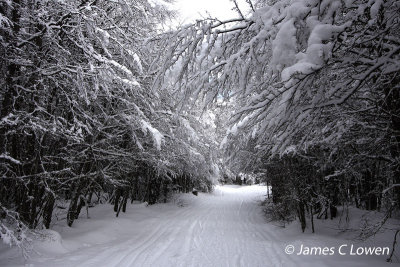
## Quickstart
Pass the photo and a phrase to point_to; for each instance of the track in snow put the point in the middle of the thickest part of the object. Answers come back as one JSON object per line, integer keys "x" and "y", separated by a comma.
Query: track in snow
{"x": 225, "y": 228}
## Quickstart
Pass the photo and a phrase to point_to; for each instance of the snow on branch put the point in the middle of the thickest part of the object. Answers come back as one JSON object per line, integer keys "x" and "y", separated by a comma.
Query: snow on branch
{"x": 158, "y": 138}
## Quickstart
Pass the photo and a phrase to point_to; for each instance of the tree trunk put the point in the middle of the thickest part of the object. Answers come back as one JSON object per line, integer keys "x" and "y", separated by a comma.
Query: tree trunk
{"x": 302, "y": 216}
{"x": 73, "y": 206}
{"x": 125, "y": 200}
{"x": 48, "y": 210}
{"x": 312, "y": 218}
{"x": 116, "y": 198}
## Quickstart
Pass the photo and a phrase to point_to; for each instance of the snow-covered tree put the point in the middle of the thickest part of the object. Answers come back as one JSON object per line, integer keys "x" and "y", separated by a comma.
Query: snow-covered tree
{"x": 310, "y": 78}
{"x": 79, "y": 119}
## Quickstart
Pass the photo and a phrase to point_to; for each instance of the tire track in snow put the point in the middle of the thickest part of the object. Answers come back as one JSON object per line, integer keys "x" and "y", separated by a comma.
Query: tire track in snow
{"x": 224, "y": 228}
{"x": 152, "y": 243}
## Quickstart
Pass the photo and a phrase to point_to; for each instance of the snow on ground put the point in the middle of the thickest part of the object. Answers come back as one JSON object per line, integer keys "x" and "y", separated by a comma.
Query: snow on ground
{"x": 225, "y": 228}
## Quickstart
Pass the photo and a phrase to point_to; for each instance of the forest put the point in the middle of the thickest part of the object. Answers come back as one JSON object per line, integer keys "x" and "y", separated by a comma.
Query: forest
{"x": 104, "y": 102}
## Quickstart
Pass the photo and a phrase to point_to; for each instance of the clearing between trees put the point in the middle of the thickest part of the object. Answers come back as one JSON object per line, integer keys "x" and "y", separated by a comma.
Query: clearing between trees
{"x": 224, "y": 228}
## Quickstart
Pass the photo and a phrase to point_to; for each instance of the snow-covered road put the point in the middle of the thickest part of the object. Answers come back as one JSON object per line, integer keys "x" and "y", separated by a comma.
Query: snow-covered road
{"x": 225, "y": 228}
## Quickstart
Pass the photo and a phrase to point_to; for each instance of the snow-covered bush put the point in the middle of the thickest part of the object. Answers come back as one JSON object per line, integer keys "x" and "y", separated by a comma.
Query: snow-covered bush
{"x": 14, "y": 232}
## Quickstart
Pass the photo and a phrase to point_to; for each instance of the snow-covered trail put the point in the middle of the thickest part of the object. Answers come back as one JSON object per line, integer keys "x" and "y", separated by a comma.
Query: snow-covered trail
{"x": 225, "y": 228}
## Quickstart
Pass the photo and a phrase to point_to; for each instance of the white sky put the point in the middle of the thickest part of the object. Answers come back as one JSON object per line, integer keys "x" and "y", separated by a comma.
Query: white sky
{"x": 190, "y": 10}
